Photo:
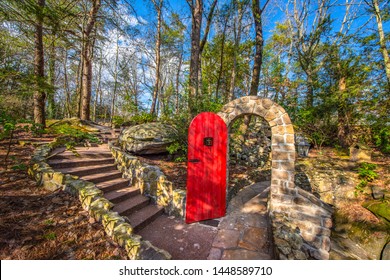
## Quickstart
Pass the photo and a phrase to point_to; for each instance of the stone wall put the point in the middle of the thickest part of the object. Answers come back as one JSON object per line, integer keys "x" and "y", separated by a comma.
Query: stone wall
{"x": 300, "y": 221}
{"x": 151, "y": 181}
{"x": 98, "y": 207}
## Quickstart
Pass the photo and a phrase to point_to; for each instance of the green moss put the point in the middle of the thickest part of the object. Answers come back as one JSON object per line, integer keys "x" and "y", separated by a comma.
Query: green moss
{"x": 381, "y": 209}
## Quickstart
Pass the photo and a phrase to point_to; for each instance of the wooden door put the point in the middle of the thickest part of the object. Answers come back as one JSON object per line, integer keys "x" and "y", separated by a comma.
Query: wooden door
{"x": 206, "y": 168}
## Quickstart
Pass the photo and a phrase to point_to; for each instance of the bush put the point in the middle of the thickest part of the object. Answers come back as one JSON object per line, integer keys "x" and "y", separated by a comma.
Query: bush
{"x": 367, "y": 172}
{"x": 141, "y": 118}
{"x": 381, "y": 139}
{"x": 117, "y": 121}
{"x": 76, "y": 132}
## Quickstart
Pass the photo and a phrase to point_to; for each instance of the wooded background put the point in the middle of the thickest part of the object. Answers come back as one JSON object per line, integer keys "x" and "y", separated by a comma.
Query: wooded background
{"x": 326, "y": 62}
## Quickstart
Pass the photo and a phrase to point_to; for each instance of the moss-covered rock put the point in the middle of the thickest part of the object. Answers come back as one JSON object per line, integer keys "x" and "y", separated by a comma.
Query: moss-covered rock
{"x": 381, "y": 209}
{"x": 148, "y": 138}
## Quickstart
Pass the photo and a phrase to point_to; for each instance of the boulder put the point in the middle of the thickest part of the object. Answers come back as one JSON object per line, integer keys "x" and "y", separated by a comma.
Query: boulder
{"x": 386, "y": 252}
{"x": 360, "y": 153}
{"x": 147, "y": 138}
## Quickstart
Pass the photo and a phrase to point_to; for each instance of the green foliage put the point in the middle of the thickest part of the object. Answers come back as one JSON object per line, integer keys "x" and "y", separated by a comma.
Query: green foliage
{"x": 7, "y": 125}
{"x": 74, "y": 132}
{"x": 381, "y": 139}
{"x": 48, "y": 222}
{"x": 20, "y": 166}
{"x": 173, "y": 148}
{"x": 50, "y": 236}
{"x": 117, "y": 121}
{"x": 37, "y": 129}
{"x": 367, "y": 172}
{"x": 144, "y": 117}
{"x": 179, "y": 147}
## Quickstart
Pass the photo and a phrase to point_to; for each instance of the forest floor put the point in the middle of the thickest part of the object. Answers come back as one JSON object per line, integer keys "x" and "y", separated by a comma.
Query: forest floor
{"x": 39, "y": 224}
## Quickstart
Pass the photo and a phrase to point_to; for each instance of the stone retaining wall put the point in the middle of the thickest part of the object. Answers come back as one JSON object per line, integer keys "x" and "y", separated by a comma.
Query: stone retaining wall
{"x": 98, "y": 207}
{"x": 151, "y": 181}
{"x": 300, "y": 221}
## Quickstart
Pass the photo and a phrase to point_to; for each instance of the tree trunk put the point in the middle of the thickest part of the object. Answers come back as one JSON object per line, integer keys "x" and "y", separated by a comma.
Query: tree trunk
{"x": 197, "y": 11}
{"x": 237, "y": 40}
{"x": 66, "y": 86}
{"x": 39, "y": 68}
{"x": 51, "y": 105}
{"x": 342, "y": 119}
{"x": 382, "y": 42}
{"x": 310, "y": 90}
{"x": 259, "y": 41}
{"x": 98, "y": 86}
{"x": 178, "y": 82}
{"x": 115, "y": 82}
{"x": 87, "y": 61}
{"x": 221, "y": 58}
{"x": 158, "y": 7}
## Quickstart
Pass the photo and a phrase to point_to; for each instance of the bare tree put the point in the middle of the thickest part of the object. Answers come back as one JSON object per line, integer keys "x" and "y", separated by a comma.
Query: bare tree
{"x": 307, "y": 38}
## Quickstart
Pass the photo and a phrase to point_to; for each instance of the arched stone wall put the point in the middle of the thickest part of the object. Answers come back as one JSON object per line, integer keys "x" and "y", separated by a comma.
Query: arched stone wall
{"x": 300, "y": 221}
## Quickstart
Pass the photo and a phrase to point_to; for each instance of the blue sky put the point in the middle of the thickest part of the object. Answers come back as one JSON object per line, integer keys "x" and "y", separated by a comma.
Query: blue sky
{"x": 273, "y": 14}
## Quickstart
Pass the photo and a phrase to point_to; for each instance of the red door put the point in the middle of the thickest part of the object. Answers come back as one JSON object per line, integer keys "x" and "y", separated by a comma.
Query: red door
{"x": 206, "y": 168}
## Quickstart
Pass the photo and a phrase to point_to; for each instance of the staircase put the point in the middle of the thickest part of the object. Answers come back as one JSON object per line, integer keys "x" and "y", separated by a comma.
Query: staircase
{"x": 96, "y": 165}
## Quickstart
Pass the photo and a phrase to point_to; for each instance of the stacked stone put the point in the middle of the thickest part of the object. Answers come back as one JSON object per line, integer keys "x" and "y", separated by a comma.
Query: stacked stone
{"x": 98, "y": 207}
{"x": 255, "y": 150}
{"x": 151, "y": 181}
{"x": 300, "y": 221}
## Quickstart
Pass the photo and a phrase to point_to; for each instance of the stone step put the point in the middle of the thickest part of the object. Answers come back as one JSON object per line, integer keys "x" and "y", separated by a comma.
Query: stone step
{"x": 82, "y": 171}
{"x": 83, "y": 154}
{"x": 112, "y": 185}
{"x": 141, "y": 218}
{"x": 66, "y": 163}
{"x": 120, "y": 195}
{"x": 131, "y": 205}
{"x": 98, "y": 178}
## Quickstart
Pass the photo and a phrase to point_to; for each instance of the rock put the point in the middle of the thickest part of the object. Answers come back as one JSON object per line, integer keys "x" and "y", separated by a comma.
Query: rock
{"x": 359, "y": 152}
{"x": 380, "y": 209}
{"x": 148, "y": 138}
{"x": 377, "y": 193}
{"x": 386, "y": 252}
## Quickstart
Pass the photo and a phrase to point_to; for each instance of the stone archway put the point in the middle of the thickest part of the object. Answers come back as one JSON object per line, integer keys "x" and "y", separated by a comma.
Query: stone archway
{"x": 300, "y": 221}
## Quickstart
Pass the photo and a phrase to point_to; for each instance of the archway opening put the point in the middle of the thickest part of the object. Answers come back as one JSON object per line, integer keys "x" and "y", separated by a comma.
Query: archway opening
{"x": 249, "y": 153}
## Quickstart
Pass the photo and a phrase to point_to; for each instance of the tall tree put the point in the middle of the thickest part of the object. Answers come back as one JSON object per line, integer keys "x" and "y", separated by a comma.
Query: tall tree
{"x": 237, "y": 31}
{"x": 158, "y": 5}
{"x": 374, "y": 4}
{"x": 39, "y": 66}
{"x": 86, "y": 60}
{"x": 309, "y": 22}
{"x": 197, "y": 46}
{"x": 257, "y": 12}
{"x": 196, "y": 13}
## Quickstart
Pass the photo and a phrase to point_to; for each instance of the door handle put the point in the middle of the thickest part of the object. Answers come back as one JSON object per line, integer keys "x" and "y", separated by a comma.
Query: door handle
{"x": 195, "y": 160}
